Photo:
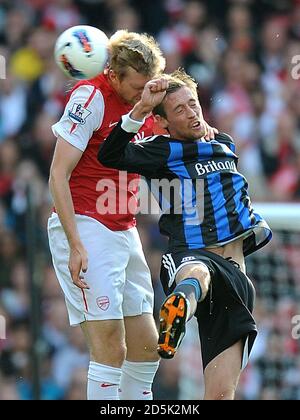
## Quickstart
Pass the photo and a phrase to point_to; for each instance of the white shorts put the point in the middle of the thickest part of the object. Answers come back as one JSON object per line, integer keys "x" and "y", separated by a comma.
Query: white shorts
{"x": 118, "y": 275}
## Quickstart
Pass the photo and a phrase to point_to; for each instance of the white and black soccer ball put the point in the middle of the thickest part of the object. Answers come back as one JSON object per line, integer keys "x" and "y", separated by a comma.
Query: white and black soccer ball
{"x": 81, "y": 52}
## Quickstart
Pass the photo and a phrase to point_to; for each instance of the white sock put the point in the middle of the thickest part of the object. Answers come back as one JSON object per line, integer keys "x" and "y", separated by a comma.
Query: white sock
{"x": 103, "y": 382}
{"x": 188, "y": 310}
{"x": 136, "y": 380}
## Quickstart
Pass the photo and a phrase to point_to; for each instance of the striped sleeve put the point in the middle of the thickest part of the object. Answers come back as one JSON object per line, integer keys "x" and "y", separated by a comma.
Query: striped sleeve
{"x": 226, "y": 139}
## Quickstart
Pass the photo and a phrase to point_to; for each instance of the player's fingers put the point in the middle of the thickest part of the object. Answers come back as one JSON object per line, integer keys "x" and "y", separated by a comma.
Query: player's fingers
{"x": 81, "y": 284}
{"x": 164, "y": 84}
{"x": 152, "y": 85}
{"x": 74, "y": 273}
{"x": 158, "y": 85}
{"x": 78, "y": 278}
{"x": 84, "y": 265}
{"x": 210, "y": 134}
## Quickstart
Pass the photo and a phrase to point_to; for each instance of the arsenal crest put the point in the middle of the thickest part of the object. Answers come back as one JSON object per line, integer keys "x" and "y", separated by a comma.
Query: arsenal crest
{"x": 103, "y": 302}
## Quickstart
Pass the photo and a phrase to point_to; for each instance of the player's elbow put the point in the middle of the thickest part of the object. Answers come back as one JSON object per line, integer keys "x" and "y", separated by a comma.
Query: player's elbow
{"x": 52, "y": 177}
{"x": 56, "y": 176}
{"x": 52, "y": 181}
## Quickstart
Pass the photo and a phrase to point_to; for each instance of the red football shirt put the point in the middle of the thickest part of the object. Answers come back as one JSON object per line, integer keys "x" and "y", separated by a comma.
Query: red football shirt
{"x": 105, "y": 194}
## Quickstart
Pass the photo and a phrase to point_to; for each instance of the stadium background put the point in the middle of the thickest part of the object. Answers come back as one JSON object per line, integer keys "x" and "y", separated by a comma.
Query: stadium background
{"x": 240, "y": 52}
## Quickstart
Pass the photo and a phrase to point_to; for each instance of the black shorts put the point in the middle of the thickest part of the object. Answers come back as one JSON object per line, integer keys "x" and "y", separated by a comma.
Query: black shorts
{"x": 224, "y": 317}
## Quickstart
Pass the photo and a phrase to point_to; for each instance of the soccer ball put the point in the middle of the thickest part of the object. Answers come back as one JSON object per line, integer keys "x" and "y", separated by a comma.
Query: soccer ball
{"x": 81, "y": 52}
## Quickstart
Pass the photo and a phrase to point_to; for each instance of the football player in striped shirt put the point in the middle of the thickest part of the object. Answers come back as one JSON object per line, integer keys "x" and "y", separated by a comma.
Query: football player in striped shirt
{"x": 210, "y": 223}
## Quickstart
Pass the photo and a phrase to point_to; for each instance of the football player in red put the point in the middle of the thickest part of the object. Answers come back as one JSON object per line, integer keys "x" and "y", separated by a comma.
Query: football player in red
{"x": 96, "y": 250}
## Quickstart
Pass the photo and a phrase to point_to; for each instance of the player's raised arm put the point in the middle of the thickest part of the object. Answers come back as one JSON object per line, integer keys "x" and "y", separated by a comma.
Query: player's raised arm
{"x": 146, "y": 156}
{"x": 153, "y": 94}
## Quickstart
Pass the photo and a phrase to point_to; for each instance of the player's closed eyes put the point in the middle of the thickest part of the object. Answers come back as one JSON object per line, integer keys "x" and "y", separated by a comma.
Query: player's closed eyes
{"x": 193, "y": 104}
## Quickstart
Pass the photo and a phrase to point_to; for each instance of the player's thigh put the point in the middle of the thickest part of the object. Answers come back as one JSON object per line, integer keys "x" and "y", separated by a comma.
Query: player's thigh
{"x": 141, "y": 338}
{"x": 141, "y": 332}
{"x": 221, "y": 375}
{"x": 108, "y": 254}
{"x": 107, "y": 260}
{"x": 106, "y": 341}
{"x": 179, "y": 266}
{"x": 138, "y": 290}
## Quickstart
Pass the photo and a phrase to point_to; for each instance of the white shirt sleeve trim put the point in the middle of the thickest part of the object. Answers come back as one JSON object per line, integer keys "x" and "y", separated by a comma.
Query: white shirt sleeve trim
{"x": 101, "y": 108}
{"x": 77, "y": 132}
{"x": 59, "y": 131}
{"x": 130, "y": 125}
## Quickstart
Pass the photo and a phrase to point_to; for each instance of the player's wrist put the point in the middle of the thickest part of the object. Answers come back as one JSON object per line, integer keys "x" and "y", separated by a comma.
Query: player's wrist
{"x": 140, "y": 112}
{"x": 131, "y": 125}
{"x": 75, "y": 244}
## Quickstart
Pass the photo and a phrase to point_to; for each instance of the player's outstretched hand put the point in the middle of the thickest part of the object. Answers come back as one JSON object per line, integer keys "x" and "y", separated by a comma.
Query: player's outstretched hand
{"x": 210, "y": 132}
{"x": 78, "y": 265}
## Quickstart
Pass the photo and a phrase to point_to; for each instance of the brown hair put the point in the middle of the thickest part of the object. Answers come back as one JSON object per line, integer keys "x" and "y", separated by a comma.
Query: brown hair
{"x": 178, "y": 79}
{"x": 139, "y": 51}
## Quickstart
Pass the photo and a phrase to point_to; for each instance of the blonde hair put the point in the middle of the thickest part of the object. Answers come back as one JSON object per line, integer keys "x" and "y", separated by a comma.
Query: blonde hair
{"x": 139, "y": 51}
{"x": 178, "y": 79}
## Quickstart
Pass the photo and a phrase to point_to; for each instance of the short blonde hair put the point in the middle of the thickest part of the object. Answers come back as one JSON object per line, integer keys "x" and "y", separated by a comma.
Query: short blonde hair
{"x": 139, "y": 51}
{"x": 178, "y": 79}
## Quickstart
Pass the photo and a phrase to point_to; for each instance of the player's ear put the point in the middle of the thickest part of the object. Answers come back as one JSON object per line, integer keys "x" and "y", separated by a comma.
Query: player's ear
{"x": 112, "y": 75}
{"x": 161, "y": 122}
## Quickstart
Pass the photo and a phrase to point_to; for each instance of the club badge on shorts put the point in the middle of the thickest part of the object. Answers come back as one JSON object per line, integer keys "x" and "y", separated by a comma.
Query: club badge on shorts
{"x": 103, "y": 302}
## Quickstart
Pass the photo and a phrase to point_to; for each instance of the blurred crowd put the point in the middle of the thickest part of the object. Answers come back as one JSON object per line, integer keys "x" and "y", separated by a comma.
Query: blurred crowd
{"x": 241, "y": 54}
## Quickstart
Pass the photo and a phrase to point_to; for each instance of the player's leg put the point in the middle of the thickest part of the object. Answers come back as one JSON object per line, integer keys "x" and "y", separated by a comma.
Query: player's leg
{"x": 192, "y": 284}
{"x": 106, "y": 343}
{"x": 222, "y": 374}
{"x": 99, "y": 308}
{"x": 143, "y": 349}
{"x": 141, "y": 362}
{"x": 193, "y": 281}
{"x": 226, "y": 327}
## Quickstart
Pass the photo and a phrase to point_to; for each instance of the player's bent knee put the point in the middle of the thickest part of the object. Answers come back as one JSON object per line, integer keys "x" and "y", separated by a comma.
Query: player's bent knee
{"x": 143, "y": 356}
{"x": 106, "y": 341}
{"x": 112, "y": 354}
{"x": 196, "y": 271}
{"x": 108, "y": 349}
{"x": 150, "y": 352}
{"x": 218, "y": 394}
{"x": 141, "y": 338}
{"x": 145, "y": 350}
